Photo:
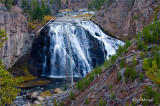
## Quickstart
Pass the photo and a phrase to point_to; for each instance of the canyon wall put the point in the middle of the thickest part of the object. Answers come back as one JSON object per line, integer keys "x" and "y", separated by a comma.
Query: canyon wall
{"x": 123, "y": 19}
{"x": 19, "y": 40}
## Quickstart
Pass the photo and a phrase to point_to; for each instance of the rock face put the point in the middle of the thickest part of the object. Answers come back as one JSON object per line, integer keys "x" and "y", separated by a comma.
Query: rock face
{"x": 123, "y": 19}
{"x": 19, "y": 41}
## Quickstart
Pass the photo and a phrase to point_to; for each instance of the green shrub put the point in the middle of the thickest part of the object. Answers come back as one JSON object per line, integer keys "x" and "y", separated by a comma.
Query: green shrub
{"x": 149, "y": 92}
{"x": 110, "y": 86}
{"x": 145, "y": 64}
{"x": 156, "y": 98}
{"x": 61, "y": 103}
{"x": 141, "y": 55}
{"x": 122, "y": 63}
{"x": 133, "y": 75}
{"x": 146, "y": 102}
{"x": 113, "y": 95}
{"x": 133, "y": 103}
{"x": 107, "y": 64}
{"x": 91, "y": 76}
{"x": 86, "y": 81}
{"x": 134, "y": 61}
{"x": 87, "y": 101}
{"x": 98, "y": 70}
{"x": 8, "y": 85}
{"x": 128, "y": 71}
{"x": 113, "y": 58}
{"x": 71, "y": 95}
{"x": 119, "y": 51}
{"x": 141, "y": 77}
{"x": 55, "y": 102}
{"x": 80, "y": 85}
{"x": 139, "y": 45}
{"x": 128, "y": 44}
{"x": 146, "y": 48}
{"x": 102, "y": 102}
{"x": 125, "y": 80}
{"x": 119, "y": 77}
{"x": 127, "y": 104}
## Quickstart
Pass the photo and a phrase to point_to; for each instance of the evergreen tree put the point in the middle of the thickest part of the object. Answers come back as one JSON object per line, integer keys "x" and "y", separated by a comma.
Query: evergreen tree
{"x": 80, "y": 85}
{"x": 71, "y": 95}
{"x": 122, "y": 63}
{"x": 39, "y": 12}
{"x": 8, "y": 4}
{"x": 59, "y": 3}
{"x": 34, "y": 6}
{"x": 3, "y": 38}
{"x": 67, "y": 2}
{"x": 102, "y": 102}
{"x": 8, "y": 84}
{"x": 43, "y": 7}
{"x": 23, "y": 4}
{"x": 51, "y": 2}
{"x": 145, "y": 64}
{"x": 48, "y": 11}
{"x": 134, "y": 61}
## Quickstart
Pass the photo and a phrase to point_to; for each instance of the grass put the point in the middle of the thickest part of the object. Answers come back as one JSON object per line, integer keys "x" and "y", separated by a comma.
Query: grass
{"x": 28, "y": 76}
{"x": 83, "y": 15}
{"x": 65, "y": 10}
{"x": 46, "y": 93}
{"x": 34, "y": 83}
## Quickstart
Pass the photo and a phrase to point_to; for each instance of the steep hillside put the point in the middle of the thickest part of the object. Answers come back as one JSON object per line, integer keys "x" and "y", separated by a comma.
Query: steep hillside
{"x": 131, "y": 77}
{"x": 124, "y": 19}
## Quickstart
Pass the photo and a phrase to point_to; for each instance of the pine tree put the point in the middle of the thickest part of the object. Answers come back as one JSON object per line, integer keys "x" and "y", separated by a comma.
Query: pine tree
{"x": 80, "y": 85}
{"x": 59, "y": 3}
{"x": 8, "y": 84}
{"x": 51, "y": 2}
{"x": 23, "y": 4}
{"x": 34, "y": 6}
{"x": 145, "y": 64}
{"x": 134, "y": 61}
{"x": 102, "y": 102}
{"x": 122, "y": 63}
{"x": 48, "y": 11}
{"x": 39, "y": 12}
{"x": 8, "y": 4}
{"x": 71, "y": 95}
{"x": 43, "y": 7}
{"x": 67, "y": 2}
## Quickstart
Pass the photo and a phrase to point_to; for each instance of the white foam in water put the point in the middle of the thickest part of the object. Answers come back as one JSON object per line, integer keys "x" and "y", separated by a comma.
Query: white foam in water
{"x": 79, "y": 44}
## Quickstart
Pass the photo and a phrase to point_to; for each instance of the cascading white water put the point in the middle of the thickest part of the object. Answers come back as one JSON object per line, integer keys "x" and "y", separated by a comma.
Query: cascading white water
{"x": 70, "y": 43}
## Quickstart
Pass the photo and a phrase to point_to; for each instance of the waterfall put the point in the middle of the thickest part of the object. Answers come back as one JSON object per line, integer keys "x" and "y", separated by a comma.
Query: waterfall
{"x": 74, "y": 45}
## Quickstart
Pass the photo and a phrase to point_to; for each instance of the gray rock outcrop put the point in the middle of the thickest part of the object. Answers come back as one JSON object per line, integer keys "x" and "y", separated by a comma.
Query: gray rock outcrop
{"x": 19, "y": 40}
{"x": 124, "y": 19}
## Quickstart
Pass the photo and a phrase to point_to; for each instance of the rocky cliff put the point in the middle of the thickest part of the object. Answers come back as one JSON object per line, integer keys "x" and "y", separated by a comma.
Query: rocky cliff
{"x": 123, "y": 19}
{"x": 19, "y": 40}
